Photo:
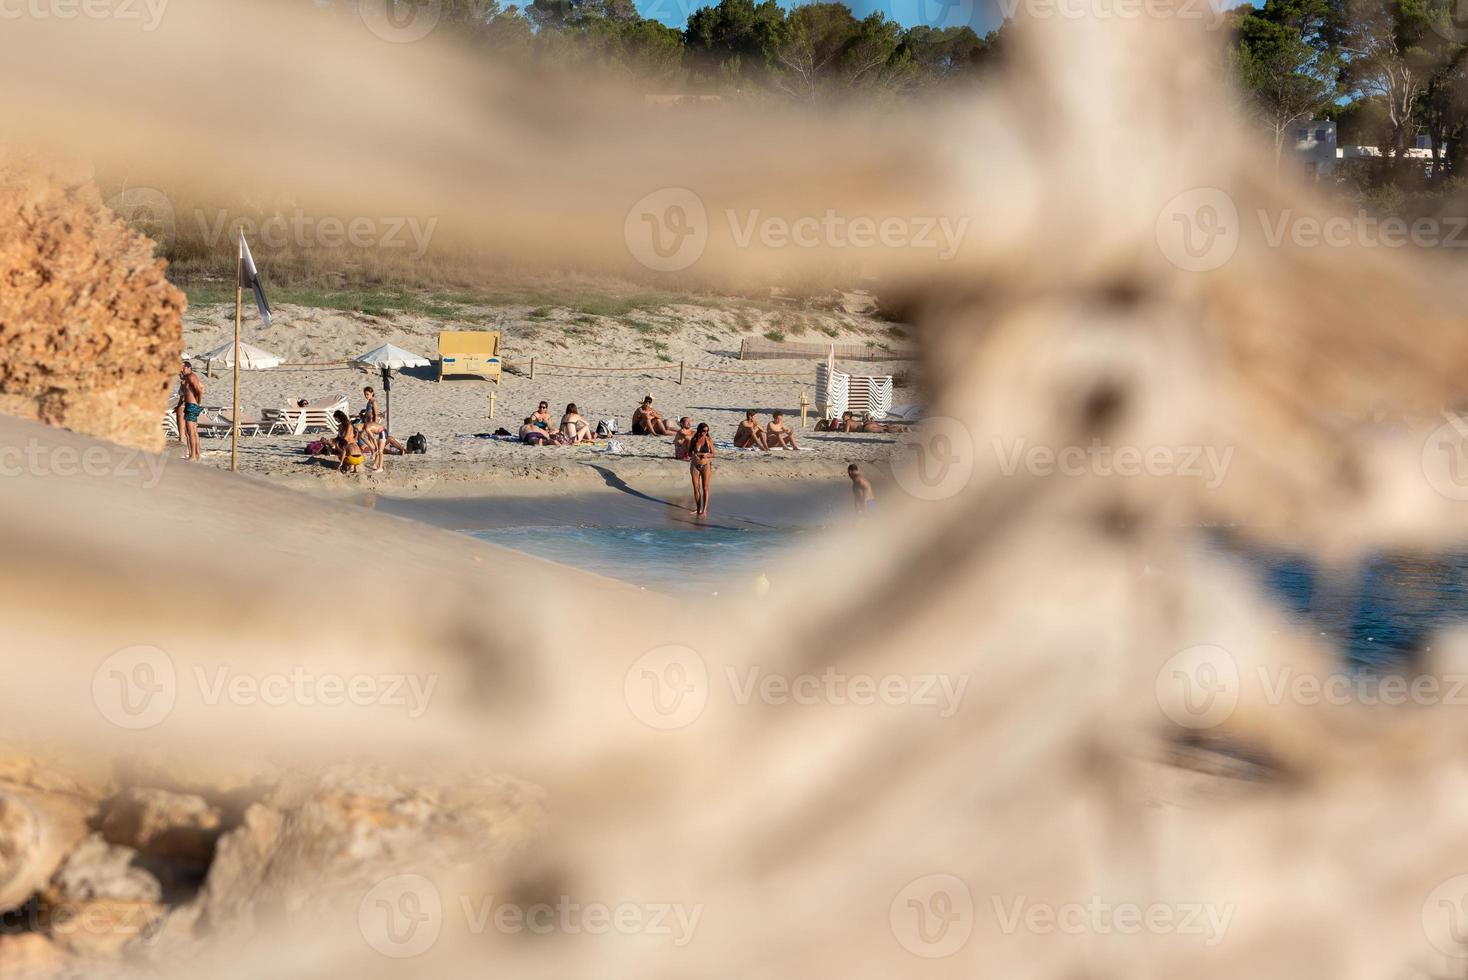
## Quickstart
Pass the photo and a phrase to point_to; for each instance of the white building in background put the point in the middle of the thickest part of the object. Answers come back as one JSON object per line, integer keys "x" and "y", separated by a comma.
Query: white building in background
{"x": 1315, "y": 146}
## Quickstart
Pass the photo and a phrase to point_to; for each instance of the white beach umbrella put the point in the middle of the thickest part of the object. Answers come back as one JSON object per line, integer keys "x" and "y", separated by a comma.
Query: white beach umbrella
{"x": 389, "y": 358}
{"x": 252, "y": 358}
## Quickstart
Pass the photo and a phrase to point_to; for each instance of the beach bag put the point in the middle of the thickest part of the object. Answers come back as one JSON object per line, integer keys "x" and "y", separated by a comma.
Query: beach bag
{"x": 417, "y": 444}
{"x": 606, "y": 427}
{"x": 316, "y": 447}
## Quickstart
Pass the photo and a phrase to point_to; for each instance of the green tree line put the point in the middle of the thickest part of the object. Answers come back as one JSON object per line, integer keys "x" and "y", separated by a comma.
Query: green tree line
{"x": 1387, "y": 71}
{"x": 818, "y": 53}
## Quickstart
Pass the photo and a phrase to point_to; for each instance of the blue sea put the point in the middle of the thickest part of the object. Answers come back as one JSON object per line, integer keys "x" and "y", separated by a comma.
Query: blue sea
{"x": 705, "y": 561}
{"x": 1377, "y": 614}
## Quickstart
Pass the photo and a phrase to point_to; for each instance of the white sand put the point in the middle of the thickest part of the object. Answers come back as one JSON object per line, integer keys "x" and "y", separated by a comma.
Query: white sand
{"x": 452, "y": 412}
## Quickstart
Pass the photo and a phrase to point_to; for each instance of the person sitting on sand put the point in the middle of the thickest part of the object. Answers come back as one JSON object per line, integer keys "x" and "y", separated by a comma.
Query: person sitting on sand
{"x": 532, "y": 434}
{"x": 701, "y": 467}
{"x": 575, "y": 428}
{"x": 683, "y": 438}
{"x": 542, "y": 417}
{"x": 348, "y": 445}
{"x": 648, "y": 421}
{"x": 844, "y": 424}
{"x": 750, "y": 434}
{"x": 778, "y": 434}
{"x": 861, "y": 490}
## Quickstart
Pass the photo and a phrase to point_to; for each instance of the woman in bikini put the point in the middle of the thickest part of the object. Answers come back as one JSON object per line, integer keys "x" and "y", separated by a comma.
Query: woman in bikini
{"x": 575, "y": 428}
{"x": 349, "y": 450}
{"x": 701, "y": 467}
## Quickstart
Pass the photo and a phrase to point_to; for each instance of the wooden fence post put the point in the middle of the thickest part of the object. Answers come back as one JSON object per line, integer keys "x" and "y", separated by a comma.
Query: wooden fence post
{"x": 532, "y": 369}
{"x": 680, "y": 372}
{"x": 742, "y": 345}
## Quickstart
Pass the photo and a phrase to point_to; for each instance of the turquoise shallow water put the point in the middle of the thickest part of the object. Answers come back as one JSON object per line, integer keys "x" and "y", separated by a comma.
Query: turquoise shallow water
{"x": 1378, "y": 614}
{"x": 701, "y": 561}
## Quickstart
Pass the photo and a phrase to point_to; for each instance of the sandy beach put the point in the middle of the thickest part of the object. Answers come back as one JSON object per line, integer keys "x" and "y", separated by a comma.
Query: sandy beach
{"x": 454, "y": 414}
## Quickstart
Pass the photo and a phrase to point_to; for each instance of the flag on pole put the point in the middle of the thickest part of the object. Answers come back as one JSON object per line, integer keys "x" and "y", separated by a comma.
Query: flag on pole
{"x": 251, "y": 278}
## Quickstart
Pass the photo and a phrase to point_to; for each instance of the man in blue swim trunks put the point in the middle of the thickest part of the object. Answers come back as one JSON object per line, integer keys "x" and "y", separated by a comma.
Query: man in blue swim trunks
{"x": 191, "y": 396}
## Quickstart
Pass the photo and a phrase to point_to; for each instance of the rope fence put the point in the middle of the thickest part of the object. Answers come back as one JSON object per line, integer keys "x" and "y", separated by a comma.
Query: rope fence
{"x": 529, "y": 368}
{"x": 683, "y": 368}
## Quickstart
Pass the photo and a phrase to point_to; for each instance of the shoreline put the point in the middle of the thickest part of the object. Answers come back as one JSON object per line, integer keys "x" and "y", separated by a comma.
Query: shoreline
{"x": 791, "y": 505}
{"x": 502, "y": 469}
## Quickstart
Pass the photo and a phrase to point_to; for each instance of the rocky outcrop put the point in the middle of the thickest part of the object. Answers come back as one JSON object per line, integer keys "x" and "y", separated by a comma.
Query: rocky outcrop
{"x": 90, "y": 330}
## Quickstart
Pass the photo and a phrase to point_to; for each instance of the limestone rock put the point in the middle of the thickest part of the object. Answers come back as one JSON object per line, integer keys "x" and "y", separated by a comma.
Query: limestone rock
{"x": 100, "y": 900}
{"x": 37, "y": 829}
{"x": 168, "y": 826}
{"x": 240, "y": 861}
{"x": 30, "y": 956}
{"x": 91, "y": 332}
{"x": 96, "y": 869}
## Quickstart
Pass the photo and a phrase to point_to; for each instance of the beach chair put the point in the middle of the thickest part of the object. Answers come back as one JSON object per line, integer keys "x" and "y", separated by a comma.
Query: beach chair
{"x": 862, "y": 395}
{"x": 170, "y": 423}
{"x": 474, "y": 352}
{"x": 300, "y": 421}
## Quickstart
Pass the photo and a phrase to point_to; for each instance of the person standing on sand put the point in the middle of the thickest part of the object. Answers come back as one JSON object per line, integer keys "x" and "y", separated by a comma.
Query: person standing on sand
{"x": 683, "y": 437}
{"x": 749, "y": 434}
{"x": 861, "y": 490}
{"x": 191, "y": 398}
{"x": 778, "y": 434}
{"x": 701, "y": 467}
{"x": 371, "y": 417}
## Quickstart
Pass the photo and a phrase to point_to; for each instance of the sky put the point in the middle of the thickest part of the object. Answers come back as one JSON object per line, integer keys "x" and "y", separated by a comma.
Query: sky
{"x": 982, "y": 15}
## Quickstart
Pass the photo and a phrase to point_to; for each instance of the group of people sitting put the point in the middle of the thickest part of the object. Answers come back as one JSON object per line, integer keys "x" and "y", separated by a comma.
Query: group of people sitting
{"x": 777, "y": 435}
{"x": 539, "y": 430}
{"x": 360, "y": 436}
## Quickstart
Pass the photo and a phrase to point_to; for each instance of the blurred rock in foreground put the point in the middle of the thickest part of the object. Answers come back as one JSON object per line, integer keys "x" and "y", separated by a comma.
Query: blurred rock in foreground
{"x": 90, "y": 330}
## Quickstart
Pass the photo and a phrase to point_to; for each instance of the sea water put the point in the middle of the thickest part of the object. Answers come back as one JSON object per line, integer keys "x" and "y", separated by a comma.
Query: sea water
{"x": 695, "y": 561}
{"x": 1377, "y": 614}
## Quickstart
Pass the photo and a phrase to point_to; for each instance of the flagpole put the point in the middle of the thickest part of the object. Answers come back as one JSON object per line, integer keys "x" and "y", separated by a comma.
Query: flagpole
{"x": 239, "y": 295}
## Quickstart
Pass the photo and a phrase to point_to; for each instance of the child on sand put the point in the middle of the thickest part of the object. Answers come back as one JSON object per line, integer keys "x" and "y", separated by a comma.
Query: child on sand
{"x": 861, "y": 490}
